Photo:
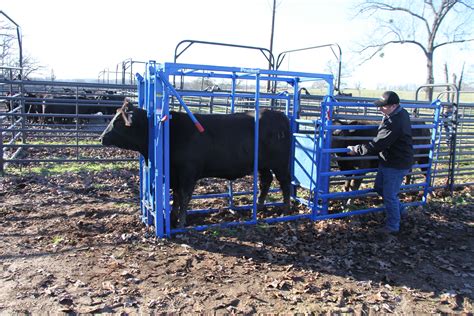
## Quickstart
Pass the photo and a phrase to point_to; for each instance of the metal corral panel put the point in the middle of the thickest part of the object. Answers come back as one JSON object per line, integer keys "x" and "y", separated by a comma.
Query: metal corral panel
{"x": 305, "y": 161}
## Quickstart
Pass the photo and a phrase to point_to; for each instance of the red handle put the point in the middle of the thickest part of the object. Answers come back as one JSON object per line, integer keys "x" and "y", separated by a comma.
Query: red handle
{"x": 199, "y": 127}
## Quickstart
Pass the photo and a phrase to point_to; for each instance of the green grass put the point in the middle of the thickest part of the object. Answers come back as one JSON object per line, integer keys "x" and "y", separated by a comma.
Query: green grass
{"x": 127, "y": 205}
{"x": 63, "y": 142}
{"x": 46, "y": 169}
{"x": 462, "y": 200}
{"x": 57, "y": 239}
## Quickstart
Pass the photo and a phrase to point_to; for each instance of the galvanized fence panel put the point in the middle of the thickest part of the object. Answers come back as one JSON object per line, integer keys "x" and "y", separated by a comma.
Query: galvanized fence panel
{"x": 57, "y": 122}
{"x": 463, "y": 170}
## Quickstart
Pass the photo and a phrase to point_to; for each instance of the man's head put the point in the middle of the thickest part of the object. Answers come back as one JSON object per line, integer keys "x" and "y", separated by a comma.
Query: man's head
{"x": 388, "y": 102}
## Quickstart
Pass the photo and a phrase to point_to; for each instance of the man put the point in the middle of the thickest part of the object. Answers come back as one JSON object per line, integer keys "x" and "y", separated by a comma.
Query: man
{"x": 393, "y": 144}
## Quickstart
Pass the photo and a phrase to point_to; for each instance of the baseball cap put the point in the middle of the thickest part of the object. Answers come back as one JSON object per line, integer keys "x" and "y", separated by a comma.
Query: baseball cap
{"x": 388, "y": 98}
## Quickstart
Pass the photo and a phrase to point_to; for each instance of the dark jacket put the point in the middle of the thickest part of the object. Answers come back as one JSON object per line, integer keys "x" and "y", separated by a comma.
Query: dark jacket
{"x": 393, "y": 143}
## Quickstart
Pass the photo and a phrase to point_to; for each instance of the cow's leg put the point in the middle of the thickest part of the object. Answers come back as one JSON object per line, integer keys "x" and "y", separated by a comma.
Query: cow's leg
{"x": 284, "y": 179}
{"x": 185, "y": 191}
{"x": 175, "y": 209}
{"x": 356, "y": 184}
{"x": 266, "y": 179}
{"x": 347, "y": 185}
{"x": 408, "y": 178}
{"x": 352, "y": 185}
{"x": 183, "y": 207}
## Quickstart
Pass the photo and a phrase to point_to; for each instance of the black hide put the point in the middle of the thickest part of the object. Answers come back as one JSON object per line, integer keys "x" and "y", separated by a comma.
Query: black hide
{"x": 224, "y": 150}
{"x": 345, "y": 165}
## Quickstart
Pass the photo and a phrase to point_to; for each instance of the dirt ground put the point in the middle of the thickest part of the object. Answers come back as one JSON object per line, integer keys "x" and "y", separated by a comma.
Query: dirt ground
{"x": 74, "y": 243}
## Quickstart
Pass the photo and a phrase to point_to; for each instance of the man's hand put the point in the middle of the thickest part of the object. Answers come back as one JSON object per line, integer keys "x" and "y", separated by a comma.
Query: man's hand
{"x": 352, "y": 151}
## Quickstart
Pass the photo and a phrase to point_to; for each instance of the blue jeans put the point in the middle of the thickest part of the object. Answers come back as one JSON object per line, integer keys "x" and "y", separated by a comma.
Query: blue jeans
{"x": 387, "y": 184}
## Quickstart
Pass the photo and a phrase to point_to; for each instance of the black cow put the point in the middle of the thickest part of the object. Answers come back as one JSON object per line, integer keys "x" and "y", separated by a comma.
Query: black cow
{"x": 59, "y": 105}
{"x": 223, "y": 150}
{"x": 420, "y": 136}
{"x": 108, "y": 102}
{"x": 66, "y": 105}
{"x": 31, "y": 104}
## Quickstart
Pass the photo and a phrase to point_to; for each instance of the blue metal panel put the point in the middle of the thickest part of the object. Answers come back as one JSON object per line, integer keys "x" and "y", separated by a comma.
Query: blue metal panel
{"x": 255, "y": 145}
{"x": 144, "y": 179}
{"x": 325, "y": 151}
{"x": 323, "y": 159}
{"x": 158, "y": 91}
{"x": 305, "y": 161}
{"x": 311, "y": 152}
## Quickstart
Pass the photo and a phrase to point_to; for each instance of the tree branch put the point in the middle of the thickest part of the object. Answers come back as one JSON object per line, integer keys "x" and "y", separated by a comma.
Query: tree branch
{"x": 469, "y": 6}
{"x": 453, "y": 42}
{"x": 376, "y": 5}
{"x": 446, "y": 6}
{"x": 379, "y": 47}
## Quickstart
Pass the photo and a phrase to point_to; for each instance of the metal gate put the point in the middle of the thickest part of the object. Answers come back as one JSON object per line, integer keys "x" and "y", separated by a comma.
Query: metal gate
{"x": 157, "y": 95}
{"x": 57, "y": 122}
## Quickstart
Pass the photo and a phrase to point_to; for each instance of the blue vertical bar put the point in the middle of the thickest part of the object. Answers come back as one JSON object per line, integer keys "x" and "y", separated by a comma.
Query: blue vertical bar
{"x": 294, "y": 129}
{"x": 151, "y": 150}
{"x": 155, "y": 153}
{"x": 326, "y": 157}
{"x": 322, "y": 159}
{"x": 143, "y": 171}
{"x": 287, "y": 104}
{"x": 232, "y": 95}
{"x": 159, "y": 148}
{"x": 232, "y": 110}
{"x": 165, "y": 112}
{"x": 256, "y": 132}
{"x": 148, "y": 103}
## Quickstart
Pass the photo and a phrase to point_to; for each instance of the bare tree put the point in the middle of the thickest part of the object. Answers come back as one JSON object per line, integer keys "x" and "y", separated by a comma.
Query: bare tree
{"x": 7, "y": 48}
{"x": 428, "y": 24}
{"x": 9, "y": 54}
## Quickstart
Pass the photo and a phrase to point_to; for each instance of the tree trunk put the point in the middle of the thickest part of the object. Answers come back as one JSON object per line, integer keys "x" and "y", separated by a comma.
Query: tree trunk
{"x": 429, "y": 75}
{"x": 446, "y": 80}
{"x": 459, "y": 85}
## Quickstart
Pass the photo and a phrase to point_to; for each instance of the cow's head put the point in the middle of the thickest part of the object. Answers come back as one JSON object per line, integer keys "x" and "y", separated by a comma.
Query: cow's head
{"x": 338, "y": 140}
{"x": 128, "y": 129}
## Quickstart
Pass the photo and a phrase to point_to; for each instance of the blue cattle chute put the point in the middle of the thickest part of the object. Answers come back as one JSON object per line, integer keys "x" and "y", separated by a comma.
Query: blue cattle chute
{"x": 311, "y": 141}
{"x": 156, "y": 95}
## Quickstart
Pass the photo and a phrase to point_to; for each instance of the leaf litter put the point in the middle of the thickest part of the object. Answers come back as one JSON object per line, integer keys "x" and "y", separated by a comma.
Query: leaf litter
{"x": 74, "y": 243}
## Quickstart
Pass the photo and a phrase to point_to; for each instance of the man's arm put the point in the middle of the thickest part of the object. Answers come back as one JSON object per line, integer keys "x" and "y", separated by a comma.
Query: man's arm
{"x": 386, "y": 136}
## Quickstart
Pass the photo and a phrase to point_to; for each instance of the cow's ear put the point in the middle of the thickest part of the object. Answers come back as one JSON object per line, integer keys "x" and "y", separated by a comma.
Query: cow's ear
{"x": 129, "y": 107}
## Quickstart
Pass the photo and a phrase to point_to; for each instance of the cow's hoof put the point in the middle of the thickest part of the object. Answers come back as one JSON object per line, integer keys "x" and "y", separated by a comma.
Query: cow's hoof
{"x": 286, "y": 208}
{"x": 173, "y": 221}
{"x": 182, "y": 221}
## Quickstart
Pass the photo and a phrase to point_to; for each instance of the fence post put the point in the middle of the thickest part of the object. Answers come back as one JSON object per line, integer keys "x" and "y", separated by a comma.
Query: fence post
{"x": 23, "y": 113}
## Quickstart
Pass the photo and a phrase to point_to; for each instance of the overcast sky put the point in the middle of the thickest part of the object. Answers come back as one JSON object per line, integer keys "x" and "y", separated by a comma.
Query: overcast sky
{"x": 79, "y": 39}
